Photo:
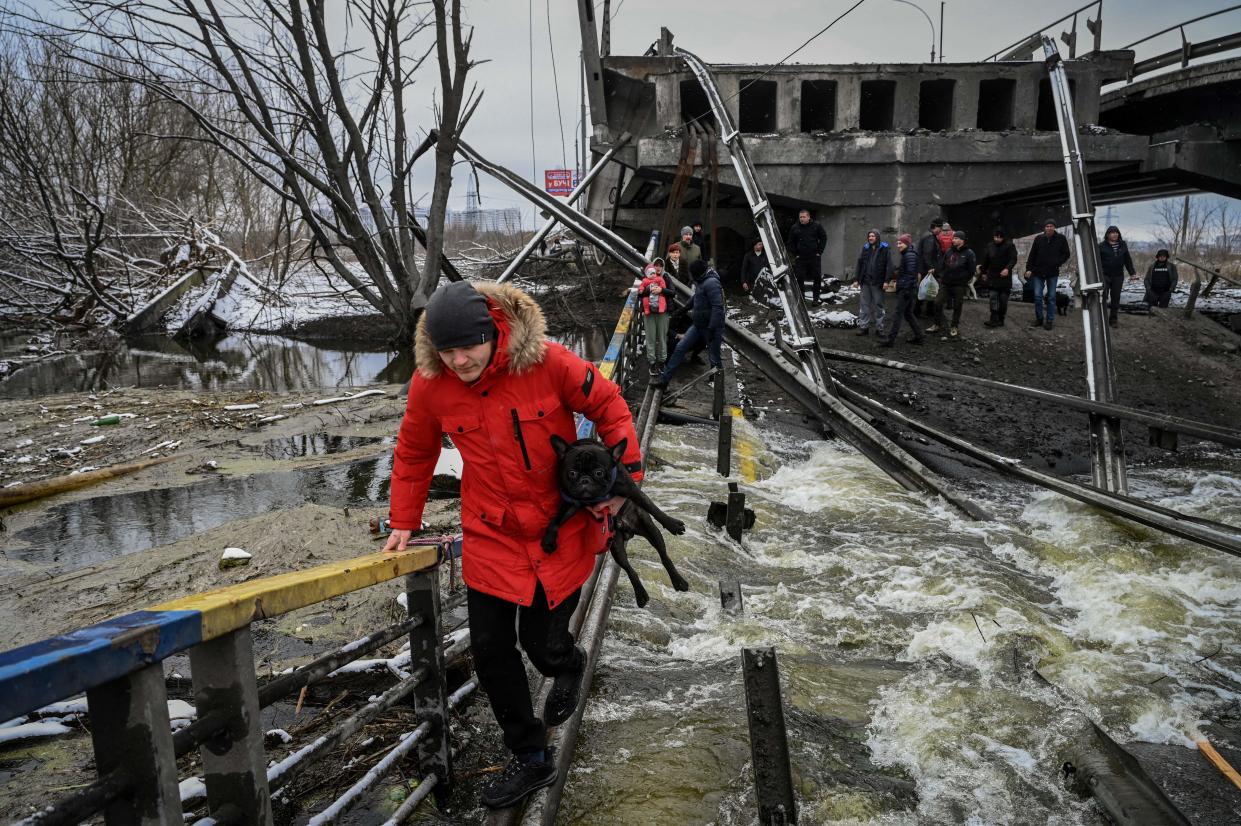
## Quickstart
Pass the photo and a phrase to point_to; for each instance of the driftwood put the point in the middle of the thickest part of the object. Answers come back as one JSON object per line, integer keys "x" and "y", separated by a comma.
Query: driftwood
{"x": 20, "y": 494}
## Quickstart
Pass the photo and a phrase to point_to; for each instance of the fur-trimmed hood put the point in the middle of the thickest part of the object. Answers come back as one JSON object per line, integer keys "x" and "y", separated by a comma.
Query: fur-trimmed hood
{"x": 527, "y": 330}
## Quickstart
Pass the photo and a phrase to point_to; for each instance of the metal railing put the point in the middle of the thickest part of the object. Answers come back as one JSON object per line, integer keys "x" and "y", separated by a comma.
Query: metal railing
{"x": 1188, "y": 50}
{"x": 1033, "y": 42}
{"x": 119, "y": 665}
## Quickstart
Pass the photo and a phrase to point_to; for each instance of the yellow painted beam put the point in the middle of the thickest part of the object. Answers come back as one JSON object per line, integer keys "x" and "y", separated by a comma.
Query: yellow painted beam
{"x": 236, "y": 606}
{"x": 745, "y": 448}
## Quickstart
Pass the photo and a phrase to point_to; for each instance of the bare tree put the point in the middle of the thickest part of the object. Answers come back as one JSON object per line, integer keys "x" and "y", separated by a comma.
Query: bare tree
{"x": 1182, "y": 224}
{"x": 315, "y": 108}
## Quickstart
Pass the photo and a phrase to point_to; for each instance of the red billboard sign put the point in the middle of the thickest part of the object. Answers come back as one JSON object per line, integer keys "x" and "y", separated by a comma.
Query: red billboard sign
{"x": 559, "y": 181}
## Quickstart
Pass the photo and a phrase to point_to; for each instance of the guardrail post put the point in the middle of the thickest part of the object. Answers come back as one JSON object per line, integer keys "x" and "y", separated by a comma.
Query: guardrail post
{"x": 724, "y": 447}
{"x": 769, "y": 742}
{"x": 234, "y": 763}
{"x": 426, "y": 649}
{"x": 130, "y": 732}
{"x": 734, "y": 519}
{"x": 717, "y": 401}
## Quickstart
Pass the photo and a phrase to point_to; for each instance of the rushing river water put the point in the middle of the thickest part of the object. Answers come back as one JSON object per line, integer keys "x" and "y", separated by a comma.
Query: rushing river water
{"x": 904, "y": 634}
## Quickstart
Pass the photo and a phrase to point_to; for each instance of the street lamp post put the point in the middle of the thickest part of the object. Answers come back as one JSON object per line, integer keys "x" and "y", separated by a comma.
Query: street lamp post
{"x": 929, "y": 22}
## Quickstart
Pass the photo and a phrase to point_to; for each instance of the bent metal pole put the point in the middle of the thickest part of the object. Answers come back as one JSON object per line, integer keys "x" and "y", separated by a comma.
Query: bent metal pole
{"x": 551, "y": 222}
{"x": 801, "y": 332}
{"x": 1107, "y": 452}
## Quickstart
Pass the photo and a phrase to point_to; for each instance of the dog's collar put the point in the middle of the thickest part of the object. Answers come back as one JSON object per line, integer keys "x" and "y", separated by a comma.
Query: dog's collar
{"x": 597, "y": 500}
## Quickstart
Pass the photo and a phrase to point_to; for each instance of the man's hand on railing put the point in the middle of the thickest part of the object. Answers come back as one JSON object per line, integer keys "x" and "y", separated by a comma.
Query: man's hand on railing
{"x": 397, "y": 540}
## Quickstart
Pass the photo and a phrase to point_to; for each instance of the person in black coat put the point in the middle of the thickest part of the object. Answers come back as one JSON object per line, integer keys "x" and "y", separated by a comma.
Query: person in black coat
{"x": 1047, "y": 255}
{"x": 807, "y": 240}
{"x": 754, "y": 262}
{"x": 906, "y": 276}
{"x": 929, "y": 253}
{"x": 999, "y": 260}
{"x": 956, "y": 269}
{"x": 1115, "y": 261}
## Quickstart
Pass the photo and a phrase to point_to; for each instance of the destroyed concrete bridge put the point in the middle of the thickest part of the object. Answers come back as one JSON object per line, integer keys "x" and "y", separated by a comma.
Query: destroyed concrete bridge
{"x": 894, "y": 145}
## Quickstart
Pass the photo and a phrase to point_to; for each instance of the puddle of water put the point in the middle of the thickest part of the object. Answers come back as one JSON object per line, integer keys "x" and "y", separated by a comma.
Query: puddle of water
{"x": 319, "y": 444}
{"x": 241, "y": 361}
{"x": 235, "y": 362}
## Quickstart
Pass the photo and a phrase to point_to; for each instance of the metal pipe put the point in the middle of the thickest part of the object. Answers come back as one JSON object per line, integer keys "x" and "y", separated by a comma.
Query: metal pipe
{"x": 1200, "y": 430}
{"x": 550, "y": 224}
{"x": 385, "y": 765}
{"x": 1107, "y": 451}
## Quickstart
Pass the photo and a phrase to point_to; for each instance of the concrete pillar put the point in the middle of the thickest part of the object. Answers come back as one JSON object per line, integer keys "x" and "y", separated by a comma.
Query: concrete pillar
{"x": 965, "y": 103}
{"x": 667, "y": 102}
{"x": 1025, "y": 101}
{"x": 1085, "y": 97}
{"x": 130, "y": 732}
{"x": 848, "y": 102}
{"x": 730, "y": 89}
{"x": 234, "y": 764}
{"x": 788, "y": 104}
{"x": 905, "y": 102}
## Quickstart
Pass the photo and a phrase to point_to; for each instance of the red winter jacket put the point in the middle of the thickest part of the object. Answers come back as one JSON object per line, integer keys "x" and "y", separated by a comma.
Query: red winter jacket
{"x": 660, "y": 304}
{"x": 502, "y": 424}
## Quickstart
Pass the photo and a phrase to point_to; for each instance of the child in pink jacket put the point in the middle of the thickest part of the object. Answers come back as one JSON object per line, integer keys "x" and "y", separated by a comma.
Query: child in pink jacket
{"x": 654, "y": 307}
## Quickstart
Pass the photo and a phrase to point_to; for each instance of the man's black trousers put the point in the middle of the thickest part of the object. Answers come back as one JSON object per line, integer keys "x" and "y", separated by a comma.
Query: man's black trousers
{"x": 496, "y": 625}
{"x": 809, "y": 269}
{"x": 1112, "y": 285}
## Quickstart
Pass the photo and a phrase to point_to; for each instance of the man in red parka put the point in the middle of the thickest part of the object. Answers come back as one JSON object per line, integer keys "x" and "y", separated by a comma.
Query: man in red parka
{"x": 489, "y": 379}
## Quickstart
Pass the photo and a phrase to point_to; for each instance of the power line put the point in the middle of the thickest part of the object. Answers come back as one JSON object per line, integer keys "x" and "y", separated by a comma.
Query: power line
{"x": 534, "y": 164}
{"x": 551, "y": 46}
{"x": 782, "y": 60}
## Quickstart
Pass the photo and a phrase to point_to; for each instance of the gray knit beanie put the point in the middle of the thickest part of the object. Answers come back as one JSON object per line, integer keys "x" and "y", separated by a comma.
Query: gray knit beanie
{"x": 686, "y": 231}
{"x": 457, "y": 316}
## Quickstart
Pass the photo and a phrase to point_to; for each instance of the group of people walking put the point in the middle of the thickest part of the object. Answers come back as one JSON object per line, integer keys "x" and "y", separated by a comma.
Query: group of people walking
{"x": 944, "y": 257}
{"x": 933, "y": 277}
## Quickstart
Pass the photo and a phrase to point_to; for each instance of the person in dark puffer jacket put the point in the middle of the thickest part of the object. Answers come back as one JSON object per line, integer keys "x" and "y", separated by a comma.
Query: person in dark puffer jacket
{"x": 873, "y": 267}
{"x": 1114, "y": 260}
{"x": 956, "y": 269}
{"x": 707, "y": 312}
{"x": 908, "y": 269}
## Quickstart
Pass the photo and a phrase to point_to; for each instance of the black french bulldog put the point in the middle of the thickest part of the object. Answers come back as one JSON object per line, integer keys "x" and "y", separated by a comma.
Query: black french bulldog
{"x": 591, "y": 473}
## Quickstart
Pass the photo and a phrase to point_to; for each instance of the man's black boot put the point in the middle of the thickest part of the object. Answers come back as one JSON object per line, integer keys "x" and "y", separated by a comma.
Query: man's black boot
{"x": 562, "y": 699}
{"x": 521, "y": 776}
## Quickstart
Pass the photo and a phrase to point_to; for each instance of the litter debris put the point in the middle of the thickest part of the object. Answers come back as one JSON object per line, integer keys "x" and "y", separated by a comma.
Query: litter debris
{"x": 163, "y": 446}
{"x": 93, "y": 440}
{"x": 359, "y": 395}
{"x": 234, "y": 558}
{"x": 106, "y": 420}
{"x": 270, "y": 419}
{"x": 241, "y": 407}
{"x": 24, "y": 443}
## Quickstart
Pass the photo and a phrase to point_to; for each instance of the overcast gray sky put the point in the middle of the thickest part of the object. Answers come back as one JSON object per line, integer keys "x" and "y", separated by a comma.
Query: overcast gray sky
{"x": 744, "y": 31}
